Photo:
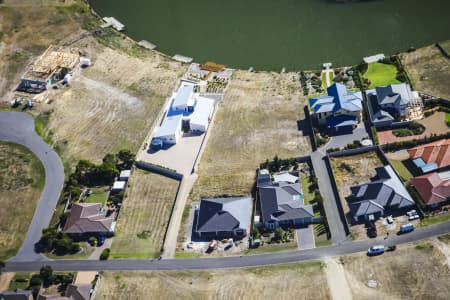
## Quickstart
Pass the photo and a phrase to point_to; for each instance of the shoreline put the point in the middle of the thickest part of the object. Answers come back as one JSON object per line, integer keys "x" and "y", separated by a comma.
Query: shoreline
{"x": 283, "y": 69}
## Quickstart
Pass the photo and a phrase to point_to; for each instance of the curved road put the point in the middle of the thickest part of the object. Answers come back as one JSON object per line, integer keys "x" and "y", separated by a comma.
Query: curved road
{"x": 18, "y": 127}
{"x": 229, "y": 262}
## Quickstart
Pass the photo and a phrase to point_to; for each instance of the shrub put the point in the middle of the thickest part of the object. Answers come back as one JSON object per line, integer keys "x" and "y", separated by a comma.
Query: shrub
{"x": 105, "y": 254}
{"x": 428, "y": 113}
{"x": 46, "y": 274}
{"x": 413, "y": 128}
{"x": 92, "y": 241}
{"x": 256, "y": 233}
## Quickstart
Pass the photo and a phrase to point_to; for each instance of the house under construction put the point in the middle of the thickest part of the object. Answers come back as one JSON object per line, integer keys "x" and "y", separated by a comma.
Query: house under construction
{"x": 49, "y": 68}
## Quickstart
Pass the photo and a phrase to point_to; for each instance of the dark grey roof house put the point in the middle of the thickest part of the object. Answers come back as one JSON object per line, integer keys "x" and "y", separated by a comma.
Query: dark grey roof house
{"x": 385, "y": 193}
{"x": 282, "y": 204}
{"x": 389, "y": 102}
{"x": 223, "y": 217}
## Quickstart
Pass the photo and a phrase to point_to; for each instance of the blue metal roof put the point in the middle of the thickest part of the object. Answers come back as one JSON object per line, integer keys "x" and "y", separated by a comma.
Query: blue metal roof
{"x": 424, "y": 166}
{"x": 340, "y": 121}
{"x": 337, "y": 98}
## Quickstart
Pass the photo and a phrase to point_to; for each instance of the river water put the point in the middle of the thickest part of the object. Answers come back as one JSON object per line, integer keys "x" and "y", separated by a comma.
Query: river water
{"x": 272, "y": 34}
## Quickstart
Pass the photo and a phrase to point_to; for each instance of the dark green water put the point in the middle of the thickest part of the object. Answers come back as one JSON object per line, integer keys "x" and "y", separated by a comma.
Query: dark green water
{"x": 271, "y": 34}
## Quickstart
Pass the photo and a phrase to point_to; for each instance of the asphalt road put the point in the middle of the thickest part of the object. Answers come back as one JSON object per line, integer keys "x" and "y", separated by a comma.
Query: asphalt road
{"x": 18, "y": 127}
{"x": 229, "y": 262}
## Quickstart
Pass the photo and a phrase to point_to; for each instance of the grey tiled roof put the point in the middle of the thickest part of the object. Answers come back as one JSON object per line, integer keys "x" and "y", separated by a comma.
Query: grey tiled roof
{"x": 224, "y": 214}
{"x": 282, "y": 201}
{"x": 385, "y": 191}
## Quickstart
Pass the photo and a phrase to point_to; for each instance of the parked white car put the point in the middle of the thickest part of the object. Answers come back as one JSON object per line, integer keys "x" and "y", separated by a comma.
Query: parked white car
{"x": 375, "y": 250}
{"x": 390, "y": 220}
{"x": 413, "y": 217}
{"x": 411, "y": 212}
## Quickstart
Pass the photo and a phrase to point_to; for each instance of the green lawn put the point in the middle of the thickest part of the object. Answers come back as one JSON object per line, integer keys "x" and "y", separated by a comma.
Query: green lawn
{"x": 435, "y": 220}
{"x": 309, "y": 196}
{"x": 381, "y": 74}
{"x": 269, "y": 248}
{"x": 401, "y": 169}
{"x": 20, "y": 281}
{"x": 86, "y": 251}
{"x": 98, "y": 195}
{"x": 324, "y": 80}
{"x": 447, "y": 117}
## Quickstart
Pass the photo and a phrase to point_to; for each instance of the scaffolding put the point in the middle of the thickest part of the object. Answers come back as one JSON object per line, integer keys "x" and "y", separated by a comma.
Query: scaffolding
{"x": 415, "y": 109}
{"x": 49, "y": 68}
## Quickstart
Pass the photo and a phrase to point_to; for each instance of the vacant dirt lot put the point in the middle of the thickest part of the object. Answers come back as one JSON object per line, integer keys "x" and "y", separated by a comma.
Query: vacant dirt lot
{"x": 256, "y": 120}
{"x": 429, "y": 71}
{"x": 413, "y": 271}
{"x": 22, "y": 179}
{"x": 296, "y": 281}
{"x": 144, "y": 216}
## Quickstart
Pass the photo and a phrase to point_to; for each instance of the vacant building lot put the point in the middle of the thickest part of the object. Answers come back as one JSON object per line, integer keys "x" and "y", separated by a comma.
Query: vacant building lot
{"x": 413, "y": 271}
{"x": 429, "y": 71}
{"x": 22, "y": 179}
{"x": 256, "y": 120}
{"x": 295, "y": 281}
{"x": 144, "y": 216}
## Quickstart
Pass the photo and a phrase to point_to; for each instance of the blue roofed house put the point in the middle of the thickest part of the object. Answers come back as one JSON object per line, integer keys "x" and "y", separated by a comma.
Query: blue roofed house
{"x": 219, "y": 218}
{"x": 384, "y": 194}
{"x": 281, "y": 203}
{"x": 339, "y": 110}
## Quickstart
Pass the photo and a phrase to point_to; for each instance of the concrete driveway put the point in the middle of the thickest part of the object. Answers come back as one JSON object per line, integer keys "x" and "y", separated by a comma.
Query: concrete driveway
{"x": 179, "y": 157}
{"x": 340, "y": 141}
{"x": 335, "y": 221}
{"x": 305, "y": 238}
{"x": 18, "y": 127}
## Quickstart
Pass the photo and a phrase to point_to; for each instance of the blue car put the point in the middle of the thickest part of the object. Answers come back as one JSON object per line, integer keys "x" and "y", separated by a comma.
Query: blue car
{"x": 101, "y": 240}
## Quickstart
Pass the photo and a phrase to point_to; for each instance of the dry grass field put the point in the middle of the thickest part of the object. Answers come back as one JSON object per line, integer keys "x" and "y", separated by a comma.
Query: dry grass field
{"x": 26, "y": 29}
{"x": 295, "y": 281}
{"x": 110, "y": 105}
{"x": 22, "y": 179}
{"x": 256, "y": 120}
{"x": 413, "y": 271}
{"x": 429, "y": 71}
{"x": 144, "y": 216}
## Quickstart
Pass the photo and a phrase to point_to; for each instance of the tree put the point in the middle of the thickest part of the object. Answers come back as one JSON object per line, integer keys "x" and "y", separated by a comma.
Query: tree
{"x": 126, "y": 159}
{"x": 110, "y": 159}
{"x": 105, "y": 254}
{"x": 46, "y": 274}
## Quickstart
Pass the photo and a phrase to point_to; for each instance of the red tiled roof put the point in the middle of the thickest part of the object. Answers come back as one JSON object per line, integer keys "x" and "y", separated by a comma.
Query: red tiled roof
{"x": 86, "y": 217}
{"x": 437, "y": 152}
{"x": 432, "y": 188}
